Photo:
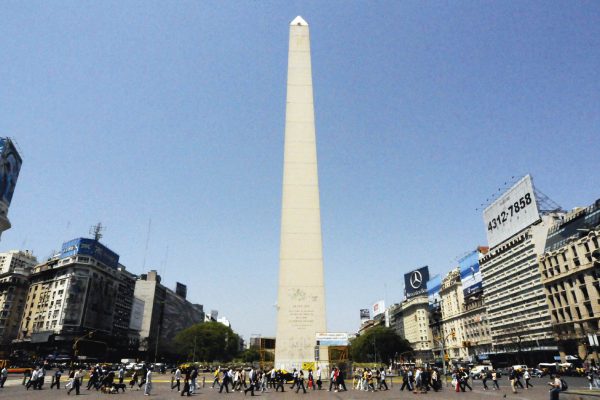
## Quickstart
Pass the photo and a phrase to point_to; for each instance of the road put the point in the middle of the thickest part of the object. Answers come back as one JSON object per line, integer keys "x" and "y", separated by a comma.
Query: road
{"x": 14, "y": 390}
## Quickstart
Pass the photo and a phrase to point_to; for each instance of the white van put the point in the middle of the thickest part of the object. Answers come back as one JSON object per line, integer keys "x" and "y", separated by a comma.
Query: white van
{"x": 478, "y": 371}
{"x": 520, "y": 367}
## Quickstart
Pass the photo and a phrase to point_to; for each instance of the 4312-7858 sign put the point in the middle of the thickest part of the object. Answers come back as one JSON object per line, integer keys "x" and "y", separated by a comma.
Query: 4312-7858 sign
{"x": 513, "y": 211}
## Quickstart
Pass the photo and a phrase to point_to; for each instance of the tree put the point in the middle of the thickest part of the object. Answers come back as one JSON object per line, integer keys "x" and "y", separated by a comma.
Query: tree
{"x": 378, "y": 344}
{"x": 250, "y": 355}
{"x": 208, "y": 341}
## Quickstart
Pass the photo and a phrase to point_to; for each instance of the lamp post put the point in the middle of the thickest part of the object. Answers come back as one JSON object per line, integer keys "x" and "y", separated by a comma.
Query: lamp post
{"x": 76, "y": 342}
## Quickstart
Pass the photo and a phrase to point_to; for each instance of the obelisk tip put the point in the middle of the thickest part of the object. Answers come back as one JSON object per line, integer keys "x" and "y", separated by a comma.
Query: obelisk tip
{"x": 299, "y": 21}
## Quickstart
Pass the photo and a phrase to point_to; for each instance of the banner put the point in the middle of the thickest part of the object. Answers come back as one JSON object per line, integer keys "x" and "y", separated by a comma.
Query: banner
{"x": 415, "y": 282}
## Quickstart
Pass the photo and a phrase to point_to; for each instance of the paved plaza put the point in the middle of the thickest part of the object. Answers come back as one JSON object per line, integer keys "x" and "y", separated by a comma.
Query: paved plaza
{"x": 14, "y": 390}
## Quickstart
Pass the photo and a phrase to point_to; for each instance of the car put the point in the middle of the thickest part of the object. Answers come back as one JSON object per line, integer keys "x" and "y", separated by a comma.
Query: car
{"x": 538, "y": 373}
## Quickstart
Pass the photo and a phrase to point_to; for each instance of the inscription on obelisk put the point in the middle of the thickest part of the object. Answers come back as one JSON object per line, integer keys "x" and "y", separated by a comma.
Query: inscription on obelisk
{"x": 301, "y": 297}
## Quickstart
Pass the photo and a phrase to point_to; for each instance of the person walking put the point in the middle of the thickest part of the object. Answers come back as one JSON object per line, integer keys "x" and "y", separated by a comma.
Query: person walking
{"x": 280, "y": 381}
{"x": 300, "y": 382}
{"x": 382, "y": 377}
{"x": 485, "y": 375}
{"x": 319, "y": 377}
{"x": 177, "y": 379}
{"x": 56, "y": 380}
{"x": 121, "y": 373}
{"x": 3, "y": 376}
{"x": 252, "y": 377}
{"x": 495, "y": 380}
{"x": 148, "y": 388}
{"x": 556, "y": 386}
{"x": 527, "y": 377}
{"x": 405, "y": 380}
{"x": 225, "y": 382}
{"x": 186, "y": 385}
{"x": 216, "y": 375}
{"x": 76, "y": 382}
{"x": 193, "y": 377}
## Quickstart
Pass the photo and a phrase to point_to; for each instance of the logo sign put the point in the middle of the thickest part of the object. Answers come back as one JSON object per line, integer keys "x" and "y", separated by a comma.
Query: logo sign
{"x": 308, "y": 366}
{"x": 10, "y": 166}
{"x": 514, "y": 211}
{"x": 415, "y": 282}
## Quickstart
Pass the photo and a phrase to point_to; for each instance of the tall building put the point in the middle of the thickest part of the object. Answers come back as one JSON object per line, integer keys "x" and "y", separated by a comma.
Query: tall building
{"x": 518, "y": 314}
{"x": 301, "y": 296}
{"x": 415, "y": 314}
{"x": 15, "y": 268}
{"x": 451, "y": 294}
{"x": 570, "y": 269}
{"x": 10, "y": 166}
{"x": 74, "y": 294}
{"x": 164, "y": 313}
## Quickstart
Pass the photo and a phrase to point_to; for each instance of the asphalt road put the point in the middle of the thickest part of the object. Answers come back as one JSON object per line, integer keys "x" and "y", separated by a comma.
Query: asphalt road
{"x": 14, "y": 390}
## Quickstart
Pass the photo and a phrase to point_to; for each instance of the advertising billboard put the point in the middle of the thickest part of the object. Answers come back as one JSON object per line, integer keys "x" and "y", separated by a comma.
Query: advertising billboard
{"x": 470, "y": 275}
{"x": 364, "y": 314}
{"x": 378, "y": 308}
{"x": 9, "y": 170}
{"x": 332, "y": 339}
{"x": 575, "y": 226}
{"x": 92, "y": 248}
{"x": 415, "y": 282}
{"x": 515, "y": 210}
{"x": 434, "y": 285}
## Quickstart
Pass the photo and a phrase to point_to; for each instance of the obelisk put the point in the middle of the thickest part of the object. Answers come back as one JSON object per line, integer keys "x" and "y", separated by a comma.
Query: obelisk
{"x": 301, "y": 297}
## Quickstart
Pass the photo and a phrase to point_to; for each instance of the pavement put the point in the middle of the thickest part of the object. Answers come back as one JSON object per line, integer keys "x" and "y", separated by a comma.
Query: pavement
{"x": 161, "y": 391}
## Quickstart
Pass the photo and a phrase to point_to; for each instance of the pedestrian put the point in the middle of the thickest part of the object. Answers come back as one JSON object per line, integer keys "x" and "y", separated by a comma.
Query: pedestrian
{"x": 134, "y": 380}
{"x": 75, "y": 382}
{"x": 300, "y": 382}
{"x": 382, "y": 377}
{"x": 495, "y": 379}
{"x": 527, "y": 377}
{"x": 252, "y": 377}
{"x": 340, "y": 381}
{"x": 177, "y": 379}
{"x": 121, "y": 374}
{"x": 485, "y": 375}
{"x": 464, "y": 380}
{"x": 3, "y": 376}
{"x": 225, "y": 382}
{"x": 148, "y": 388}
{"x": 556, "y": 386}
{"x": 193, "y": 377}
{"x": 216, "y": 380}
{"x": 405, "y": 380}
{"x": 512, "y": 377}
{"x": 280, "y": 381}
{"x": 319, "y": 377}
{"x": 56, "y": 379}
{"x": 186, "y": 385}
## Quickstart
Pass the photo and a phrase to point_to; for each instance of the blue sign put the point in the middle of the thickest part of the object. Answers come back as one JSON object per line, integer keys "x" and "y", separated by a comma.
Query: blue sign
{"x": 92, "y": 248}
{"x": 10, "y": 166}
{"x": 470, "y": 275}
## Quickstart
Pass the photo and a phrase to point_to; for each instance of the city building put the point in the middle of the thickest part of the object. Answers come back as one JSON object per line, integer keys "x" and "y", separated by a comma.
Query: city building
{"x": 397, "y": 318}
{"x": 415, "y": 313}
{"x": 164, "y": 314}
{"x": 15, "y": 268}
{"x": 570, "y": 274}
{"x": 517, "y": 310}
{"x": 71, "y": 302}
{"x": 10, "y": 166}
{"x": 451, "y": 307}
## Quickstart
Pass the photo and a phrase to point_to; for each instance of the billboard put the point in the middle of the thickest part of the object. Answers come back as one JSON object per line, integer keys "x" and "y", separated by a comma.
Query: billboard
{"x": 470, "y": 275}
{"x": 181, "y": 289}
{"x": 9, "y": 170}
{"x": 332, "y": 339}
{"x": 415, "y": 282}
{"x": 92, "y": 248}
{"x": 378, "y": 308}
{"x": 515, "y": 210}
{"x": 575, "y": 226}
{"x": 364, "y": 314}
{"x": 434, "y": 285}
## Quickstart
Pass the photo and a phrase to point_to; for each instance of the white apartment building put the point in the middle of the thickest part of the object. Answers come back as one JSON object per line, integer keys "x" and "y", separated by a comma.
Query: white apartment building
{"x": 517, "y": 310}
{"x": 415, "y": 314}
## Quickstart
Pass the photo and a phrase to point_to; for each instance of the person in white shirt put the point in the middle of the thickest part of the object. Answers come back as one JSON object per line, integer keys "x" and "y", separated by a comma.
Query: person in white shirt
{"x": 177, "y": 377}
{"x": 527, "y": 377}
{"x": 556, "y": 385}
{"x": 148, "y": 387}
{"x": 3, "y": 376}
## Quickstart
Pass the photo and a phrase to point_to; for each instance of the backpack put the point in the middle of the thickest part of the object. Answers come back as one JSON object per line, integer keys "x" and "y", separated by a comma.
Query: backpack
{"x": 563, "y": 384}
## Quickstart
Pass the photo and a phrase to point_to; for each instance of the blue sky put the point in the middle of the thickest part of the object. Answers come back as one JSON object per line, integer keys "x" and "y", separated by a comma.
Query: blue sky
{"x": 174, "y": 112}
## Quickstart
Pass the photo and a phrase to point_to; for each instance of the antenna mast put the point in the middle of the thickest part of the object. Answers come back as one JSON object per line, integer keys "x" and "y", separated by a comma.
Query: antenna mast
{"x": 96, "y": 230}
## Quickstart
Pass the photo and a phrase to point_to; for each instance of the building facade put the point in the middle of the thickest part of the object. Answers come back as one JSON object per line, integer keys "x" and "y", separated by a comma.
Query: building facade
{"x": 415, "y": 313}
{"x": 570, "y": 270}
{"x": 518, "y": 314}
{"x": 10, "y": 166}
{"x": 15, "y": 268}
{"x": 72, "y": 296}
{"x": 164, "y": 314}
{"x": 452, "y": 301}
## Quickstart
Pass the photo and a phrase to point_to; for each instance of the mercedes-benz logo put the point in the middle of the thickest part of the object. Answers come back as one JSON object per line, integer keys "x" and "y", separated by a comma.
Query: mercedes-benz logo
{"x": 416, "y": 279}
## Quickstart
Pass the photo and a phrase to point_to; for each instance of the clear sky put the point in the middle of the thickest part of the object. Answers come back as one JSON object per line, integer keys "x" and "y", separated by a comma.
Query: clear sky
{"x": 174, "y": 112}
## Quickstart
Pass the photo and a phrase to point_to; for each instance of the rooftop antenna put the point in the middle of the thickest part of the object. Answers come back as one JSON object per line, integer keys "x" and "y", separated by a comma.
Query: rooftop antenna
{"x": 96, "y": 230}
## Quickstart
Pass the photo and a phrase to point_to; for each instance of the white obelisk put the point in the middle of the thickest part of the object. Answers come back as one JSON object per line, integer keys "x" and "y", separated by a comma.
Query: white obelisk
{"x": 301, "y": 297}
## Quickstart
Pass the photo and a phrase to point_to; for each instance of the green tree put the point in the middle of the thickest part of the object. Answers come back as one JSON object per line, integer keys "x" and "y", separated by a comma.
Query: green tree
{"x": 250, "y": 355}
{"x": 378, "y": 344}
{"x": 208, "y": 341}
